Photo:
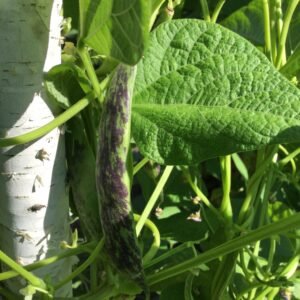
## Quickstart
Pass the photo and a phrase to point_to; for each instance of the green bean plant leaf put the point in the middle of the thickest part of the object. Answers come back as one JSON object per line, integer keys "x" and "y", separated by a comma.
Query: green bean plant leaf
{"x": 83, "y": 185}
{"x": 202, "y": 91}
{"x": 65, "y": 84}
{"x": 118, "y": 29}
{"x": 293, "y": 41}
{"x": 292, "y": 67}
{"x": 248, "y": 21}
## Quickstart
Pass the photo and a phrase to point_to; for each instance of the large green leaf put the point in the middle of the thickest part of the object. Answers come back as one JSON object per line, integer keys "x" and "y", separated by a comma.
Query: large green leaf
{"x": 202, "y": 91}
{"x": 118, "y": 29}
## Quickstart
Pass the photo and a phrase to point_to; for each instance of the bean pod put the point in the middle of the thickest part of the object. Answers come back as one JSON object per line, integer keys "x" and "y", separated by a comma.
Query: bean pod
{"x": 114, "y": 176}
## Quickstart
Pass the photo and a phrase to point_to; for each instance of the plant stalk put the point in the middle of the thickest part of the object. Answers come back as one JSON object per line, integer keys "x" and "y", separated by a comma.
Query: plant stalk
{"x": 264, "y": 232}
{"x": 158, "y": 189}
{"x": 284, "y": 32}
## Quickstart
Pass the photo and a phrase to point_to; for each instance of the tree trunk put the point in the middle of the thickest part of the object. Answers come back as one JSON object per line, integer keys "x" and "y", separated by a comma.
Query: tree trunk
{"x": 33, "y": 196}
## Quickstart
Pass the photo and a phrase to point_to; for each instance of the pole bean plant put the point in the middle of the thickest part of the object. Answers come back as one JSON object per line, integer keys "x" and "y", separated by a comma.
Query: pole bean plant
{"x": 181, "y": 125}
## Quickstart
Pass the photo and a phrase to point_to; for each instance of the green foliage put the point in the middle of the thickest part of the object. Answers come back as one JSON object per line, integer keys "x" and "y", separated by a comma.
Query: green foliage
{"x": 207, "y": 99}
{"x": 116, "y": 29}
{"x": 65, "y": 85}
{"x": 202, "y": 91}
{"x": 292, "y": 67}
{"x": 248, "y": 22}
{"x": 82, "y": 161}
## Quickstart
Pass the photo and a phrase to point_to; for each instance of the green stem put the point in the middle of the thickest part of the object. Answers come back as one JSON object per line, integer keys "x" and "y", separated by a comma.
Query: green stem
{"x": 88, "y": 65}
{"x": 199, "y": 194}
{"x": 188, "y": 287}
{"x": 244, "y": 266}
{"x": 34, "y": 280}
{"x": 253, "y": 184}
{"x": 246, "y": 210}
{"x": 291, "y": 267}
{"x": 159, "y": 187}
{"x": 279, "y": 24}
{"x": 273, "y": 28}
{"x": 61, "y": 119}
{"x": 273, "y": 294}
{"x": 257, "y": 267}
{"x": 289, "y": 158}
{"x": 267, "y": 29}
{"x": 217, "y": 10}
{"x": 155, "y": 12}
{"x": 271, "y": 253}
{"x": 248, "y": 290}
{"x": 266, "y": 231}
{"x": 263, "y": 205}
{"x": 50, "y": 260}
{"x": 226, "y": 208}
{"x": 292, "y": 161}
{"x": 205, "y": 10}
{"x": 166, "y": 14}
{"x": 223, "y": 275}
{"x": 139, "y": 165}
{"x": 171, "y": 253}
{"x": 82, "y": 267}
{"x": 226, "y": 268}
{"x": 285, "y": 28}
{"x": 252, "y": 293}
{"x": 82, "y": 17}
{"x": 262, "y": 295}
{"x": 156, "y": 241}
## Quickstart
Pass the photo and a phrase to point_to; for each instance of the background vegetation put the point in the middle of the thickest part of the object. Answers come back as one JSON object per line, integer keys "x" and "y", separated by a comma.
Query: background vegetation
{"x": 214, "y": 140}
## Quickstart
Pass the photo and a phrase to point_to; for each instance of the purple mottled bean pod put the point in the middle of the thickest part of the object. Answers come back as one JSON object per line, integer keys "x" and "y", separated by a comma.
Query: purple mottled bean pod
{"x": 114, "y": 179}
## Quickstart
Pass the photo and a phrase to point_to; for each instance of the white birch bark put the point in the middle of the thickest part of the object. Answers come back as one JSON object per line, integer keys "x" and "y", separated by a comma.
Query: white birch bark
{"x": 33, "y": 196}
